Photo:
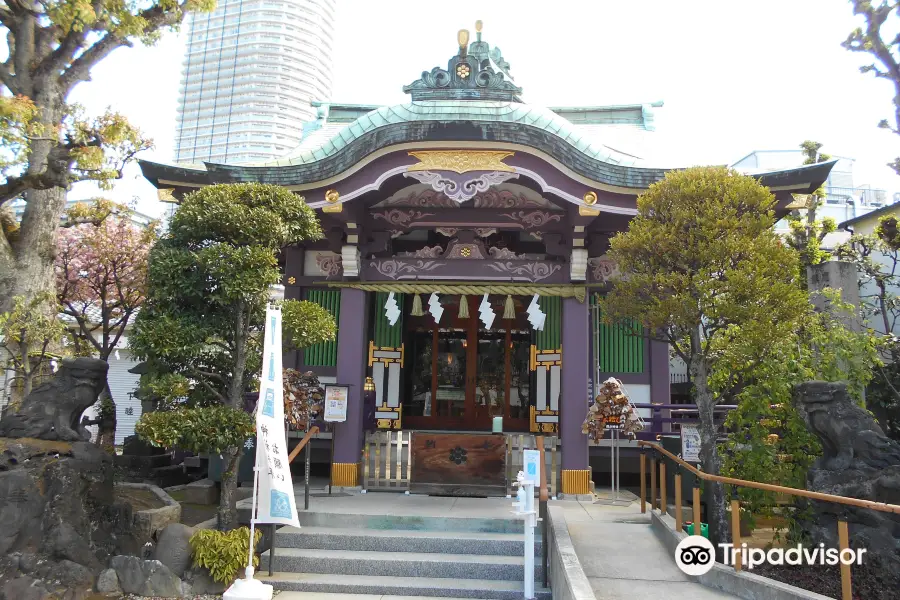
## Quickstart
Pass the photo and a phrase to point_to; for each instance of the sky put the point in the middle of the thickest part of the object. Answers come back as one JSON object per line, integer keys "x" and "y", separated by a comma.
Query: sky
{"x": 735, "y": 75}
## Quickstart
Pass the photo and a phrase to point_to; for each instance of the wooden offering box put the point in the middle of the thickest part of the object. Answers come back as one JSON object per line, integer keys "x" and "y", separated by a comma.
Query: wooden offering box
{"x": 458, "y": 464}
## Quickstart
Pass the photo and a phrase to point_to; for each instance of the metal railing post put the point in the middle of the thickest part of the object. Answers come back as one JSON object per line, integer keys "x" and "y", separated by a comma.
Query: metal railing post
{"x": 306, "y": 465}
{"x": 698, "y": 529}
{"x": 643, "y": 480}
{"x": 545, "y": 549}
{"x": 663, "y": 501}
{"x": 543, "y": 497}
{"x": 679, "y": 523}
{"x": 271, "y": 547}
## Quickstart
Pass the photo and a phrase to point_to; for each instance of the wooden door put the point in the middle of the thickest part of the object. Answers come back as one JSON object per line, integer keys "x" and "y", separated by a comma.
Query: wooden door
{"x": 475, "y": 373}
{"x": 450, "y": 348}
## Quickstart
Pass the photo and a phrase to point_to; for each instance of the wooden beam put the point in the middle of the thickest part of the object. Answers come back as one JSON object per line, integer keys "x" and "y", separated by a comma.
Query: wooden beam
{"x": 303, "y": 442}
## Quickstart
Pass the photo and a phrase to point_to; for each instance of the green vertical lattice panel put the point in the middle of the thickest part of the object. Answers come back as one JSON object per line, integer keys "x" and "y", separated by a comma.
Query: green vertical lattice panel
{"x": 549, "y": 338}
{"x": 619, "y": 347}
{"x": 324, "y": 354}
{"x": 387, "y": 335}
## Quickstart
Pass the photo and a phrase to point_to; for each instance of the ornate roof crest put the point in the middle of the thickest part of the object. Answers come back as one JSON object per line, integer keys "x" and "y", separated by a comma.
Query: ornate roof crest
{"x": 477, "y": 72}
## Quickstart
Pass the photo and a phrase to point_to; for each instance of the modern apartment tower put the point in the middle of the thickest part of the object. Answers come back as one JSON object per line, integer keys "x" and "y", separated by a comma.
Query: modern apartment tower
{"x": 251, "y": 69}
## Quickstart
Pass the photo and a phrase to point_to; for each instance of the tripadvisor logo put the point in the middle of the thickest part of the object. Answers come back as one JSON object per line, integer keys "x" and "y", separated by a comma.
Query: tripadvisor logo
{"x": 695, "y": 555}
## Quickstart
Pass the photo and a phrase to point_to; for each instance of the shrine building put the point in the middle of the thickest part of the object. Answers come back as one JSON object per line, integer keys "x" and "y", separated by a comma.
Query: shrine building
{"x": 462, "y": 193}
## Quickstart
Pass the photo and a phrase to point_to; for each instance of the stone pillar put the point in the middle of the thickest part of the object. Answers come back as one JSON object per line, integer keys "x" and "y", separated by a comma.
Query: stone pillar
{"x": 351, "y": 370}
{"x": 838, "y": 275}
{"x": 576, "y": 327}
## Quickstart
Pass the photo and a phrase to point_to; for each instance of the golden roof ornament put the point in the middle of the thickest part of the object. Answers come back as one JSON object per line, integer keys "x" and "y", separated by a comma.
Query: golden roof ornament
{"x": 475, "y": 72}
{"x": 463, "y": 38}
{"x": 800, "y": 201}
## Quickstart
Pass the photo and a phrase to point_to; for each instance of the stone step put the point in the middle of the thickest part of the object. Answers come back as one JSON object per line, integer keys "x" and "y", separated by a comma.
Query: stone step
{"x": 399, "y": 540}
{"x": 398, "y": 564}
{"x": 330, "y": 596}
{"x": 400, "y": 586}
{"x": 410, "y": 522}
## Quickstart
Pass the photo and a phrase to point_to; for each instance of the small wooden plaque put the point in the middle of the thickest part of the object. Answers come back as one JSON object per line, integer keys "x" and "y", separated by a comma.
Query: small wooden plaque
{"x": 458, "y": 464}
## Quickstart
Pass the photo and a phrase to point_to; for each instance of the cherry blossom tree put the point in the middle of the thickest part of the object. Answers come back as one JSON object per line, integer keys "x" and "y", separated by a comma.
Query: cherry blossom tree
{"x": 101, "y": 282}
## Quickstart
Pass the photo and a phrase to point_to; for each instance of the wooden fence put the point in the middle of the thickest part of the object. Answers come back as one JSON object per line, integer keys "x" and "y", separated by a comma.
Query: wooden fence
{"x": 387, "y": 462}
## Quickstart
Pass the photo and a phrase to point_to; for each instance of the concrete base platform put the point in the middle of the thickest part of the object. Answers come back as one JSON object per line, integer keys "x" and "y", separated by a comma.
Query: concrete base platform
{"x": 327, "y": 596}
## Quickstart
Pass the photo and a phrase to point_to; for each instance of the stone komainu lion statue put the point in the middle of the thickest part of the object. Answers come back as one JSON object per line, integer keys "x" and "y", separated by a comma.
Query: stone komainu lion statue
{"x": 858, "y": 461}
{"x": 52, "y": 411}
{"x": 850, "y": 436}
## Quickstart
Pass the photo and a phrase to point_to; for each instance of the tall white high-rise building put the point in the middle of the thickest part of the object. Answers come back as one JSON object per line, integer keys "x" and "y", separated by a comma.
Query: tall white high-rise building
{"x": 251, "y": 69}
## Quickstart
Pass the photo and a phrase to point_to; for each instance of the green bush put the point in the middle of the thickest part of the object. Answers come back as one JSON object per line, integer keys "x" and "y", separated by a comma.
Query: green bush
{"x": 203, "y": 429}
{"x": 223, "y": 553}
{"x": 306, "y": 323}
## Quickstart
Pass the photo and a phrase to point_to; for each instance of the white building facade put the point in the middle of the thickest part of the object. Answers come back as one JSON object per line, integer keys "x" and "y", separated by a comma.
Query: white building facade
{"x": 251, "y": 70}
{"x": 844, "y": 199}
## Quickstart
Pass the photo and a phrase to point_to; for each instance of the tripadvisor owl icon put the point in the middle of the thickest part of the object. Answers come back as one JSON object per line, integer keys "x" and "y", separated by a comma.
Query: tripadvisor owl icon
{"x": 695, "y": 555}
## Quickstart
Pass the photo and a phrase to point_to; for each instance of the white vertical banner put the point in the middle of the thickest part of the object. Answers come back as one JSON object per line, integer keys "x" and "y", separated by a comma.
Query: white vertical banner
{"x": 275, "y": 491}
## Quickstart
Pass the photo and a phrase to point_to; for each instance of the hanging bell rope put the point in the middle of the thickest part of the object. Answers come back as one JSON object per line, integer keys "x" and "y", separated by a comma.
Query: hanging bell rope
{"x": 509, "y": 311}
{"x": 454, "y": 288}
{"x": 463, "y": 307}
{"x": 417, "y": 306}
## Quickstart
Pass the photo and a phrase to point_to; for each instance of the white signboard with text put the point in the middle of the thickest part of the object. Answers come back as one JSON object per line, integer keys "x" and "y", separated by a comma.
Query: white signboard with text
{"x": 336, "y": 399}
{"x": 690, "y": 442}
{"x": 275, "y": 491}
{"x": 531, "y": 465}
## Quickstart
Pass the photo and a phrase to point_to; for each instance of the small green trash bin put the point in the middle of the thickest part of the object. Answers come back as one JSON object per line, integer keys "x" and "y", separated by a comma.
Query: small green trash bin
{"x": 704, "y": 529}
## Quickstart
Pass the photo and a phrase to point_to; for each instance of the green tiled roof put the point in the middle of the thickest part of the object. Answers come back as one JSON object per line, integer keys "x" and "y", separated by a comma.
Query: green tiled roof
{"x": 455, "y": 111}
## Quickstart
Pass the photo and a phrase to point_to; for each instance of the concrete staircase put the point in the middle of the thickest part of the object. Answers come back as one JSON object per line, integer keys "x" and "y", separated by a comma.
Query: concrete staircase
{"x": 436, "y": 557}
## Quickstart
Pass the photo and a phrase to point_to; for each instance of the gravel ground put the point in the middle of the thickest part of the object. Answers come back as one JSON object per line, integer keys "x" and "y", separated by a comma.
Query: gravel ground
{"x": 826, "y": 580}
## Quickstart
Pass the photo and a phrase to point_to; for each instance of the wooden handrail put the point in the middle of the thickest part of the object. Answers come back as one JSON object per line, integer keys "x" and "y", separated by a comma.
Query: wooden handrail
{"x": 768, "y": 487}
{"x": 303, "y": 442}
{"x": 545, "y": 495}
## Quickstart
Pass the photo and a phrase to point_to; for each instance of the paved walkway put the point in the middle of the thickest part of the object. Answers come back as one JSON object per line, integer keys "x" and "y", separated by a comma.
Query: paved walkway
{"x": 623, "y": 558}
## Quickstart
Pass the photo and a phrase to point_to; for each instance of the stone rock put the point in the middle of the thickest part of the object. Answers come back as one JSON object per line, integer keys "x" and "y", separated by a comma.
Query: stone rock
{"x": 108, "y": 582}
{"x": 58, "y": 510}
{"x": 66, "y": 574}
{"x": 858, "y": 461}
{"x": 202, "y": 582}
{"x": 134, "y": 445}
{"x": 23, "y": 588}
{"x": 28, "y": 562}
{"x": 53, "y": 410}
{"x": 64, "y": 542}
{"x": 148, "y": 524}
{"x": 173, "y": 548}
{"x": 204, "y": 491}
{"x": 56, "y": 500}
{"x": 145, "y": 577}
